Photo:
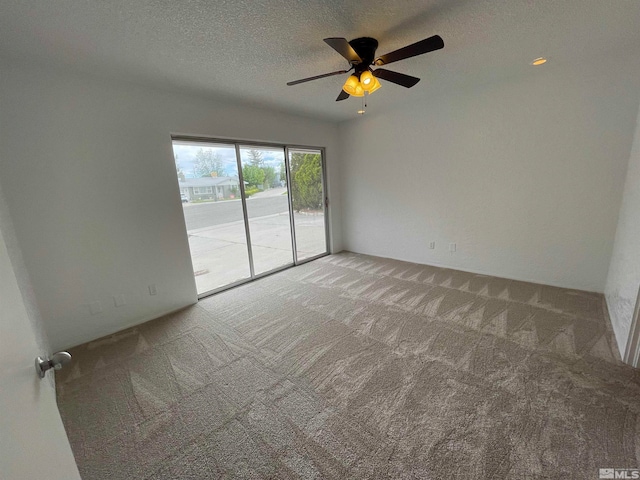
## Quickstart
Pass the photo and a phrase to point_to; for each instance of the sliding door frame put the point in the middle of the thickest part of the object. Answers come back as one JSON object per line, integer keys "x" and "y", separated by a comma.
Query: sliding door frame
{"x": 325, "y": 202}
{"x": 245, "y": 214}
{"x": 292, "y": 221}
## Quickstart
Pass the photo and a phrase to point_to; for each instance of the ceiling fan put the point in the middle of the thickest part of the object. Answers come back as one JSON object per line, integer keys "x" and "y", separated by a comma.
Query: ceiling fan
{"x": 360, "y": 53}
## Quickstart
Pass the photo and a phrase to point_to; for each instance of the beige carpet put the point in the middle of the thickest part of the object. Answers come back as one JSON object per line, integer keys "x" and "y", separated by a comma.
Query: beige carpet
{"x": 359, "y": 367}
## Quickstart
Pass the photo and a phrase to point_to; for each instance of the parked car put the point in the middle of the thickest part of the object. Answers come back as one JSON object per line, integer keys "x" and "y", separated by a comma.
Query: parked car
{"x": 183, "y": 197}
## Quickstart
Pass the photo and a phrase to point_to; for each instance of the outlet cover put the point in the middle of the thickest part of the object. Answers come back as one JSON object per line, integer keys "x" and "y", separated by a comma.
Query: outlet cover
{"x": 432, "y": 245}
{"x": 152, "y": 289}
{"x": 452, "y": 247}
{"x": 118, "y": 300}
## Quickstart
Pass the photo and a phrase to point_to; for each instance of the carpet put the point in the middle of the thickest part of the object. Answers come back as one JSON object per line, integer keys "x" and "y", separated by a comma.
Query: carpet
{"x": 359, "y": 367}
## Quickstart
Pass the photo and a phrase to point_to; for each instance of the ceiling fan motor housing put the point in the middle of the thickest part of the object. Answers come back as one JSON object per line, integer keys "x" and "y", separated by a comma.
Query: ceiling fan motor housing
{"x": 365, "y": 47}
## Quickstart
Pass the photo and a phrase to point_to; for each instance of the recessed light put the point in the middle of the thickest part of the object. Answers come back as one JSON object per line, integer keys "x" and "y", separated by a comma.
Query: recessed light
{"x": 360, "y": 112}
{"x": 539, "y": 61}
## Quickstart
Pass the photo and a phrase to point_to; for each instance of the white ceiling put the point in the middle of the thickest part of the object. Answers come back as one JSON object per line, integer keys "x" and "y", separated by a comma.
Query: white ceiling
{"x": 247, "y": 50}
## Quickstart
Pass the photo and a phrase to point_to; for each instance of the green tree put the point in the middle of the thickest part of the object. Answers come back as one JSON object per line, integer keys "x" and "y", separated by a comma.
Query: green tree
{"x": 255, "y": 158}
{"x": 306, "y": 181}
{"x": 253, "y": 175}
{"x": 208, "y": 162}
{"x": 269, "y": 177}
{"x": 283, "y": 172}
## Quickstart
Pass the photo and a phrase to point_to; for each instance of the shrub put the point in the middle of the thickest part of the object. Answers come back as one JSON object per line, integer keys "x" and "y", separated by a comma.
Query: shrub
{"x": 248, "y": 191}
{"x": 306, "y": 173}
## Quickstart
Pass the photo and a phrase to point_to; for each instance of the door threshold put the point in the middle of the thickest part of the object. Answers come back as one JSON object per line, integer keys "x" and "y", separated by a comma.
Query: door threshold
{"x": 244, "y": 281}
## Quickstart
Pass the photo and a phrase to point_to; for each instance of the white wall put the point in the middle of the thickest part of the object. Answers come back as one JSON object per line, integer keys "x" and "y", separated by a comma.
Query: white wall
{"x": 88, "y": 173}
{"x": 624, "y": 272}
{"x": 525, "y": 175}
{"x": 22, "y": 277}
{"x": 33, "y": 443}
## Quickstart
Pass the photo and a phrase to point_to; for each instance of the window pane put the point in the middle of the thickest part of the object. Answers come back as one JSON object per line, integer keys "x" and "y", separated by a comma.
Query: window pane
{"x": 307, "y": 196}
{"x": 214, "y": 216}
{"x": 264, "y": 175}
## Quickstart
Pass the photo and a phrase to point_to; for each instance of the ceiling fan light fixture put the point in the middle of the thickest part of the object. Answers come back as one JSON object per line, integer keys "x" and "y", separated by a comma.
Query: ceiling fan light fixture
{"x": 366, "y": 78}
{"x": 375, "y": 85}
{"x": 369, "y": 83}
{"x": 351, "y": 84}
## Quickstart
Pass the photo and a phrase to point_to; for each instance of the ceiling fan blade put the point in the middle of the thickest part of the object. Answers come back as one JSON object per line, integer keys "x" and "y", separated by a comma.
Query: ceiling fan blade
{"x": 423, "y": 46}
{"x": 341, "y": 46}
{"x": 302, "y": 80}
{"x": 395, "y": 77}
{"x": 343, "y": 96}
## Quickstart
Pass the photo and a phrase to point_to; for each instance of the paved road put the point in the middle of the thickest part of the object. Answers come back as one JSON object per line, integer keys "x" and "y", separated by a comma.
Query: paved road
{"x": 208, "y": 214}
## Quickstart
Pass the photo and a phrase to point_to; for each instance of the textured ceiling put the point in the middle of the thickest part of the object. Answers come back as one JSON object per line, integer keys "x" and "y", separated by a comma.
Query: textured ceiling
{"x": 247, "y": 50}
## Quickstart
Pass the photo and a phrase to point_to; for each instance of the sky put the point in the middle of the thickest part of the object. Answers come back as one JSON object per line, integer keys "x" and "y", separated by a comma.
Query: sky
{"x": 186, "y": 152}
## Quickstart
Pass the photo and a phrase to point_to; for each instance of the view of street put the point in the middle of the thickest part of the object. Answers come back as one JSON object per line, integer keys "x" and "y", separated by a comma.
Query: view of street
{"x": 202, "y": 215}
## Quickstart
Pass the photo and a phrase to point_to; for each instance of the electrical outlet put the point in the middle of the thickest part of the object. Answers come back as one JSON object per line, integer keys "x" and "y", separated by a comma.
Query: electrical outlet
{"x": 452, "y": 247}
{"x": 152, "y": 289}
{"x": 95, "y": 308}
{"x": 118, "y": 300}
{"x": 432, "y": 245}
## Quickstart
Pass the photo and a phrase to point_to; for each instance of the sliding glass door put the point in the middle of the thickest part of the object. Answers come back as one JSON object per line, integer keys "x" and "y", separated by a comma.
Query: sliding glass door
{"x": 213, "y": 213}
{"x": 249, "y": 209}
{"x": 265, "y": 188}
{"x": 308, "y": 202}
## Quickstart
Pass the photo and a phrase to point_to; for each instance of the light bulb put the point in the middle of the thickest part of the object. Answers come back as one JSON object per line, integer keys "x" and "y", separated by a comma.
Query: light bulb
{"x": 375, "y": 85}
{"x": 369, "y": 82}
